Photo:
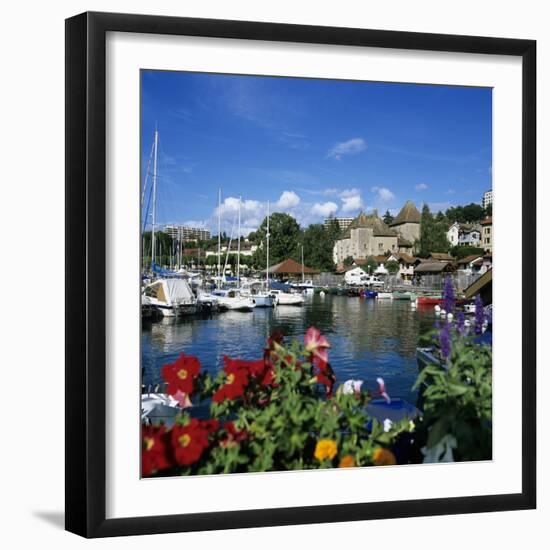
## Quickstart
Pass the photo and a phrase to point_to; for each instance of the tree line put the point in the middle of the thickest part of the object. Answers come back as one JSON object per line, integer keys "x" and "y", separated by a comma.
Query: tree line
{"x": 285, "y": 241}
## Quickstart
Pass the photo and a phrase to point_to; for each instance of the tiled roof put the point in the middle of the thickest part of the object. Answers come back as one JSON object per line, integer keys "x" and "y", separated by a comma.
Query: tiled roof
{"x": 408, "y": 214}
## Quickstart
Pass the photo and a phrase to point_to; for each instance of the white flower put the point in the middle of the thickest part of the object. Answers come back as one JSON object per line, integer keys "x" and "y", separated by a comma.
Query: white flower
{"x": 387, "y": 425}
{"x": 351, "y": 386}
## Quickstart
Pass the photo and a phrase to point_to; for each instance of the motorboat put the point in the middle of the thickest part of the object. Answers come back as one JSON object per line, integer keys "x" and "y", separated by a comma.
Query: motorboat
{"x": 384, "y": 295}
{"x": 283, "y": 298}
{"x": 254, "y": 291}
{"x": 403, "y": 295}
{"x": 232, "y": 299}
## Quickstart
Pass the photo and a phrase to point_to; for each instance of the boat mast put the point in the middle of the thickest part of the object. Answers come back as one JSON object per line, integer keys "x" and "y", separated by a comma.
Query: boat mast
{"x": 267, "y": 252}
{"x": 219, "y": 232}
{"x": 154, "y": 198}
{"x": 239, "y": 248}
{"x": 303, "y": 263}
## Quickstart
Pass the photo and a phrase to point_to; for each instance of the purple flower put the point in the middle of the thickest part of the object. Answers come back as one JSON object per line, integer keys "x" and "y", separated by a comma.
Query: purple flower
{"x": 479, "y": 318}
{"x": 460, "y": 322}
{"x": 448, "y": 295}
{"x": 445, "y": 342}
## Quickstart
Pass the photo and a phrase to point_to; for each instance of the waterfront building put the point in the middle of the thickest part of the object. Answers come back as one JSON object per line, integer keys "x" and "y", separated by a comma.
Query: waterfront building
{"x": 487, "y": 234}
{"x": 487, "y": 198}
{"x": 407, "y": 223}
{"x": 367, "y": 235}
{"x": 186, "y": 233}
{"x": 343, "y": 223}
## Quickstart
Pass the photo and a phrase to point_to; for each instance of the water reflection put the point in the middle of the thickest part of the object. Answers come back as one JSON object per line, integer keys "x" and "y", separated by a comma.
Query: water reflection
{"x": 369, "y": 338}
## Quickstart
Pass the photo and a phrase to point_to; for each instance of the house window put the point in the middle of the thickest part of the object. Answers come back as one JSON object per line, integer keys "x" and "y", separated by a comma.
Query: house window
{"x": 380, "y": 246}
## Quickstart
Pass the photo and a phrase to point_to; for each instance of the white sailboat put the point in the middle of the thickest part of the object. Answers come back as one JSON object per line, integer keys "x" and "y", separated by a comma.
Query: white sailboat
{"x": 253, "y": 289}
{"x": 171, "y": 296}
{"x": 232, "y": 299}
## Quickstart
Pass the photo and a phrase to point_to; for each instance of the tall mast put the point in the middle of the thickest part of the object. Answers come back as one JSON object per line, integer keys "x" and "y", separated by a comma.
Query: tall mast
{"x": 219, "y": 232}
{"x": 154, "y": 198}
{"x": 239, "y": 247}
{"x": 267, "y": 252}
{"x": 303, "y": 264}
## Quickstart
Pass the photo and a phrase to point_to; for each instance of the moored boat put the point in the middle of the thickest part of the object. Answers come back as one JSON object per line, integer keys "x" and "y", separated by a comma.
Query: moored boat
{"x": 429, "y": 300}
{"x": 233, "y": 300}
{"x": 287, "y": 298}
{"x": 171, "y": 297}
{"x": 403, "y": 295}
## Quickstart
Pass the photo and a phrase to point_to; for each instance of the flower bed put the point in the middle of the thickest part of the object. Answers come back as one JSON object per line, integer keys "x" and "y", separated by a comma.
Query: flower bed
{"x": 284, "y": 411}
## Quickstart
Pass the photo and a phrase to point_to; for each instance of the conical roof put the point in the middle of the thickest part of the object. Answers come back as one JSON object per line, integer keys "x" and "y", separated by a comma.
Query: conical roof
{"x": 372, "y": 221}
{"x": 408, "y": 214}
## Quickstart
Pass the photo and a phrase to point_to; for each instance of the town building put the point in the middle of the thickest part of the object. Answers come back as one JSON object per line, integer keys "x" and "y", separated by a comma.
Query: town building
{"x": 368, "y": 235}
{"x": 487, "y": 234}
{"x": 247, "y": 248}
{"x": 185, "y": 233}
{"x": 343, "y": 223}
{"x": 407, "y": 223}
{"x": 464, "y": 234}
{"x": 487, "y": 198}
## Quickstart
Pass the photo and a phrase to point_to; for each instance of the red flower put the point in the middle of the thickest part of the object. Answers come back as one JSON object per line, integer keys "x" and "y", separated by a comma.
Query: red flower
{"x": 325, "y": 375}
{"x": 316, "y": 344}
{"x": 234, "y": 435}
{"x": 234, "y": 386}
{"x": 189, "y": 442}
{"x": 153, "y": 450}
{"x": 253, "y": 368}
{"x": 181, "y": 373}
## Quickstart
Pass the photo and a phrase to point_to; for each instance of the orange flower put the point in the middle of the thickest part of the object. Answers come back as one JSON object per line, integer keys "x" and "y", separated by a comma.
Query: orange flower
{"x": 347, "y": 461}
{"x": 325, "y": 448}
{"x": 383, "y": 457}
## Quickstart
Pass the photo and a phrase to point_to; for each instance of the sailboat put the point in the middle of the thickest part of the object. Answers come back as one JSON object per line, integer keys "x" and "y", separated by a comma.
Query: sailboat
{"x": 254, "y": 289}
{"x": 304, "y": 286}
{"x": 168, "y": 293}
{"x": 231, "y": 298}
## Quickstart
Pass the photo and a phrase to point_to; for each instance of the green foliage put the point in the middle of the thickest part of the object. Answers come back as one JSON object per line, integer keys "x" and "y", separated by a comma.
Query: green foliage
{"x": 348, "y": 261}
{"x": 458, "y": 400}
{"x": 318, "y": 243}
{"x": 460, "y": 252}
{"x": 392, "y": 266}
{"x": 465, "y": 214}
{"x": 388, "y": 218}
{"x": 283, "y": 241}
{"x": 433, "y": 234}
{"x": 371, "y": 265}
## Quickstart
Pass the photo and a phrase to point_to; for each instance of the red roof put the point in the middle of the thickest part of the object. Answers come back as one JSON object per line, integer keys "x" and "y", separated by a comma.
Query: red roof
{"x": 290, "y": 266}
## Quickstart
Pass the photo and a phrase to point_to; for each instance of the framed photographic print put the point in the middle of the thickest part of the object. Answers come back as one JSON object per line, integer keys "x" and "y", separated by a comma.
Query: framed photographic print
{"x": 281, "y": 244}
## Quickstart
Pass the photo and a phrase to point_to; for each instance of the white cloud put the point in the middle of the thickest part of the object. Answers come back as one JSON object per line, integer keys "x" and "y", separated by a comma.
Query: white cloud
{"x": 289, "y": 199}
{"x": 325, "y": 209}
{"x": 383, "y": 194}
{"x": 350, "y": 147}
{"x": 420, "y": 187}
{"x": 351, "y": 200}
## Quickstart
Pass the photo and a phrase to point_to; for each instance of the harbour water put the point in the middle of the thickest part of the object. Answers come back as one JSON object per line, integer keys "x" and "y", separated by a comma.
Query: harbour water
{"x": 369, "y": 338}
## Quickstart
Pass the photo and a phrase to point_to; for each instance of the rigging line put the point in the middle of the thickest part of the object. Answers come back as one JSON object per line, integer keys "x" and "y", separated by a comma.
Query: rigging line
{"x": 147, "y": 211}
{"x": 147, "y": 173}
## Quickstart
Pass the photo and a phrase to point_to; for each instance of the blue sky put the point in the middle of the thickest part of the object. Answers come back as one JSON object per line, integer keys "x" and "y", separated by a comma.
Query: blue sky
{"x": 311, "y": 147}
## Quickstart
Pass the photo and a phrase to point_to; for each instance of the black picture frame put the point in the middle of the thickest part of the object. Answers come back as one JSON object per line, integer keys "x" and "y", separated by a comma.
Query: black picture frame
{"x": 86, "y": 284}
